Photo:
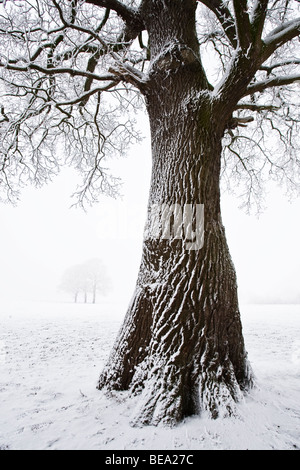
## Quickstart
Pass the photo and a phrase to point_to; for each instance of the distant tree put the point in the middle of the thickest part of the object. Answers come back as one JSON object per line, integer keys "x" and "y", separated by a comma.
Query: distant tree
{"x": 96, "y": 279}
{"x": 84, "y": 279}
{"x": 73, "y": 282}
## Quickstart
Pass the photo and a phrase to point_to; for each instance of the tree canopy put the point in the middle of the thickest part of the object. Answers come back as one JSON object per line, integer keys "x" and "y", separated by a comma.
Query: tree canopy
{"x": 73, "y": 72}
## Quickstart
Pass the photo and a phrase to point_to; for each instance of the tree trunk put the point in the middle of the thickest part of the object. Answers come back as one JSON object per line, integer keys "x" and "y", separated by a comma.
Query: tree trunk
{"x": 94, "y": 292}
{"x": 181, "y": 344}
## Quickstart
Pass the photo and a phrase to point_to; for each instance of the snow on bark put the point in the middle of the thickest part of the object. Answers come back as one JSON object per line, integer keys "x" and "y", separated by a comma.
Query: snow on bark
{"x": 181, "y": 348}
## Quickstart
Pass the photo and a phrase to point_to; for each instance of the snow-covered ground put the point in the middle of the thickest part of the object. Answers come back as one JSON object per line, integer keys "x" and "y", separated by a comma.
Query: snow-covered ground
{"x": 51, "y": 356}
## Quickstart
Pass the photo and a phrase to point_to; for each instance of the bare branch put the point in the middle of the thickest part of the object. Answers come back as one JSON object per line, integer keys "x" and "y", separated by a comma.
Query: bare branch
{"x": 242, "y": 21}
{"x": 93, "y": 60}
{"x": 272, "y": 82}
{"x": 225, "y": 18}
{"x": 129, "y": 15}
{"x": 129, "y": 74}
{"x": 58, "y": 71}
{"x": 70, "y": 24}
{"x": 126, "y": 37}
{"x": 85, "y": 96}
{"x": 4, "y": 118}
{"x": 256, "y": 107}
{"x": 258, "y": 17}
{"x": 269, "y": 68}
{"x": 239, "y": 122}
{"x": 280, "y": 36}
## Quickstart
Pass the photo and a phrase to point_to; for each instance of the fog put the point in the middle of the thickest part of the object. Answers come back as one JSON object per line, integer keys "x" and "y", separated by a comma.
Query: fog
{"x": 42, "y": 236}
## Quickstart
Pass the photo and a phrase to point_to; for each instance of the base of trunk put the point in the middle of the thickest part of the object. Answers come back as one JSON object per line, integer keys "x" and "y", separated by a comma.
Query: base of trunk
{"x": 167, "y": 396}
{"x": 170, "y": 387}
{"x": 164, "y": 398}
{"x": 181, "y": 347}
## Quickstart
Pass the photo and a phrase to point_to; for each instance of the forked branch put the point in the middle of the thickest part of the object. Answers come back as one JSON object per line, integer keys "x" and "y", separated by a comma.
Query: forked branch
{"x": 225, "y": 18}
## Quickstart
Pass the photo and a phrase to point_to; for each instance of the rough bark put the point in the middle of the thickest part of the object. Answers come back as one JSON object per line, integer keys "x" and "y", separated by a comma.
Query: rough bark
{"x": 181, "y": 345}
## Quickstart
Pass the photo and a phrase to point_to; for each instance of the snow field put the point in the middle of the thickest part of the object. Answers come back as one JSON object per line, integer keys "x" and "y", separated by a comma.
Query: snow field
{"x": 51, "y": 356}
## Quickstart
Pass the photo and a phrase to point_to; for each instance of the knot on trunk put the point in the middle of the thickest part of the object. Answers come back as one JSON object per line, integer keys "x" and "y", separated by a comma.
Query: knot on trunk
{"x": 174, "y": 56}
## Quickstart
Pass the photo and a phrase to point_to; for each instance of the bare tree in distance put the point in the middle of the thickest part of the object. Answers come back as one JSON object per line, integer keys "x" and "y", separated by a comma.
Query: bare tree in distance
{"x": 219, "y": 81}
{"x": 72, "y": 282}
{"x": 86, "y": 280}
{"x": 97, "y": 279}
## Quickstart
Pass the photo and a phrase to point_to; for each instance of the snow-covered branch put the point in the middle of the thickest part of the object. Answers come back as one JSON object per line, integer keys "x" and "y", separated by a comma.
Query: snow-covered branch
{"x": 57, "y": 71}
{"x": 280, "y": 36}
{"x": 242, "y": 21}
{"x": 127, "y": 73}
{"x": 269, "y": 68}
{"x": 272, "y": 82}
{"x": 258, "y": 17}
{"x": 129, "y": 15}
{"x": 54, "y": 66}
{"x": 225, "y": 18}
{"x": 256, "y": 107}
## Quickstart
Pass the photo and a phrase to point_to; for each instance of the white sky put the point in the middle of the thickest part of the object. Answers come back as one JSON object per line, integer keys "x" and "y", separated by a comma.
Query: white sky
{"x": 42, "y": 236}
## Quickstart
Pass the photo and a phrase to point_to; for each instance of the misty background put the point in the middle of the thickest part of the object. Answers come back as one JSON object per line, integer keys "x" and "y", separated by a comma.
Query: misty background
{"x": 43, "y": 236}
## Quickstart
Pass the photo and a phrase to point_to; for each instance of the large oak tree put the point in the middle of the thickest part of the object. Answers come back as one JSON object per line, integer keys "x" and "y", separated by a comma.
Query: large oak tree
{"x": 219, "y": 81}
